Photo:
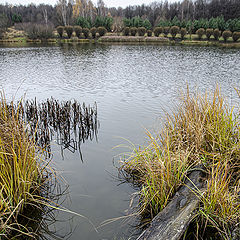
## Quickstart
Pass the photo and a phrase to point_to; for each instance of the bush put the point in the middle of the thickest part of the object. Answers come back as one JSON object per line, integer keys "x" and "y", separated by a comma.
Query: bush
{"x": 126, "y": 31}
{"x": 226, "y": 34}
{"x": 69, "y": 31}
{"x": 141, "y": 31}
{"x": 102, "y": 31}
{"x": 133, "y": 31}
{"x": 166, "y": 31}
{"x": 157, "y": 31}
{"x": 39, "y": 31}
{"x": 200, "y": 32}
{"x": 60, "y": 30}
{"x": 236, "y": 36}
{"x": 78, "y": 31}
{"x": 183, "y": 32}
{"x": 209, "y": 33}
{"x": 85, "y": 32}
{"x": 149, "y": 33}
{"x": 93, "y": 31}
{"x": 174, "y": 30}
{"x": 216, "y": 34}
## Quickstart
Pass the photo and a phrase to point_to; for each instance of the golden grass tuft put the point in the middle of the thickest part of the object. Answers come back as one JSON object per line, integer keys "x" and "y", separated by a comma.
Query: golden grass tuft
{"x": 202, "y": 129}
{"x": 23, "y": 173}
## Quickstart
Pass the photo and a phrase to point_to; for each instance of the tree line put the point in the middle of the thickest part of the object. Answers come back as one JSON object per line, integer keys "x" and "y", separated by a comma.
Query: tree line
{"x": 68, "y": 12}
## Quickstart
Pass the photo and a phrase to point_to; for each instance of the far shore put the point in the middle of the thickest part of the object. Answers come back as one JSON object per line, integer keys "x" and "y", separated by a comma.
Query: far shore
{"x": 118, "y": 39}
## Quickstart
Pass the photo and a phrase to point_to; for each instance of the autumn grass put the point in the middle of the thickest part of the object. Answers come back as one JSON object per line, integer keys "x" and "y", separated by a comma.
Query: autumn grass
{"x": 24, "y": 175}
{"x": 202, "y": 129}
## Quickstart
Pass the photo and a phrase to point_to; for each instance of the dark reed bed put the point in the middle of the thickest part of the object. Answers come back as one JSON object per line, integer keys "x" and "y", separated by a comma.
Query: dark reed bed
{"x": 70, "y": 122}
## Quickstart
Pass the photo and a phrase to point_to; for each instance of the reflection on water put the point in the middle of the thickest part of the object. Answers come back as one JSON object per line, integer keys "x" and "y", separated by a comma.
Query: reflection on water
{"x": 70, "y": 122}
{"x": 132, "y": 85}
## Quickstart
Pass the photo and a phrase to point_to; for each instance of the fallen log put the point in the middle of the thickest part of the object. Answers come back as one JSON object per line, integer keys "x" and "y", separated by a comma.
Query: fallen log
{"x": 173, "y": 220}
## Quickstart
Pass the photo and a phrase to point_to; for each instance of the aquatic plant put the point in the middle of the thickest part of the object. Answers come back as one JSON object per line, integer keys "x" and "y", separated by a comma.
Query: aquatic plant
{"x": 29, "y": 187}
{"x": 62, "y": 119}
{"x": 202, "y": 130}
{"x": 25, "y": 176}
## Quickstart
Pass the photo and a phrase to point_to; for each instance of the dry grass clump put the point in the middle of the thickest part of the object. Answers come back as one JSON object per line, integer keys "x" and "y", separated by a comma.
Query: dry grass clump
{"x": 202, "y": 129}
{"x": 23, "y": 174}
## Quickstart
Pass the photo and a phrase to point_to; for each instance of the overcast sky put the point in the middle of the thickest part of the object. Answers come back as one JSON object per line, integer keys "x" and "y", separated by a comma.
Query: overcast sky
{"x": 109, "y": 3}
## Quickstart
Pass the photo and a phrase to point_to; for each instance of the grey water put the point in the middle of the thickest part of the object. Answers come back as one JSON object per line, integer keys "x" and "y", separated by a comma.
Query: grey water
{"x": 133, "y": 85}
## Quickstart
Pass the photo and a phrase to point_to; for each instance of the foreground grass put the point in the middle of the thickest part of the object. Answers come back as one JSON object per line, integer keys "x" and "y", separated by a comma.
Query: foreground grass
{"x": 24, "y": 177}
{"x": 201, "y": 130}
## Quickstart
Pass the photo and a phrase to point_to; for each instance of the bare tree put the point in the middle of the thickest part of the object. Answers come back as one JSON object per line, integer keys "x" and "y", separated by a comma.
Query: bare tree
{"x": 45, "y": 15}
{"x": 101, "y": 8}
{"x": 62, "y": 9}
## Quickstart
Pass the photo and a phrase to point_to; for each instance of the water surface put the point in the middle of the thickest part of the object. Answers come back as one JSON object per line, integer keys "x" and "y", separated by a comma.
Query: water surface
{"x": 132, "y": 85}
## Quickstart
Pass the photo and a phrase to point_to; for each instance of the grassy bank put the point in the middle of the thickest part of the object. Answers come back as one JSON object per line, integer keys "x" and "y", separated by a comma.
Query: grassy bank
{"x": 201, "y": 130}
{"x": 189, "y": 40}
{"x": 24, "y": 177}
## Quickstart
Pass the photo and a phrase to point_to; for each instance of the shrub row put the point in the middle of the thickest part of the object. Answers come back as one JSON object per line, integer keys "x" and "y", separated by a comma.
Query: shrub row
{"x": 81, "y": 31}
{"x": 174, "y": 30}
{"x": 217, "y": 34}
{"x": 133, "y": 31}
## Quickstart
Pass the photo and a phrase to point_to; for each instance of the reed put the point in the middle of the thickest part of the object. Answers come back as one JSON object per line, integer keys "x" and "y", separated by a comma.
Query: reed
{"x": 24, "y": 174}
{"x": 202, "y": 129}
{"x": 68, "y": 121}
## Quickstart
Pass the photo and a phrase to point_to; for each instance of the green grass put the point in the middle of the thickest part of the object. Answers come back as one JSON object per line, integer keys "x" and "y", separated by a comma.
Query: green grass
{"x": 202, "y": 130}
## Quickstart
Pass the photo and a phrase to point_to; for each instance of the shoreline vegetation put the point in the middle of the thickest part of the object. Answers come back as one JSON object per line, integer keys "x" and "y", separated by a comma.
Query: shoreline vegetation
{"x": 26, "y": 179}
{"x": 112, "y": 38}
{"x": 202, "y": 130}
{"x": 30, "y": 188}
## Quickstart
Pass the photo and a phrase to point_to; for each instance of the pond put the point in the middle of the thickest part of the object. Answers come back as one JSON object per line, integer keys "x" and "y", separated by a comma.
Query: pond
{"x": 132, "y": 85}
